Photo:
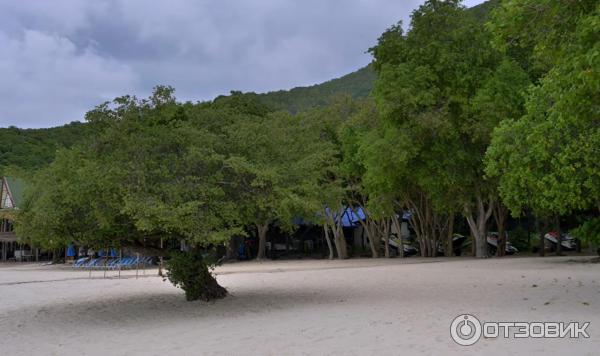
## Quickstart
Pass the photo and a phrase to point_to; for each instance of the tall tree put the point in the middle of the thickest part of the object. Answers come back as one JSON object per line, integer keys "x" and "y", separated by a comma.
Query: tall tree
{"x": 427, "y": 81}
{"x": 547, "y": 159}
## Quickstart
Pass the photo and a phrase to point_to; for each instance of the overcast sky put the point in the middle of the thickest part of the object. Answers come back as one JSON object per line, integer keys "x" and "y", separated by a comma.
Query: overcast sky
{"x": 60, "y": 58}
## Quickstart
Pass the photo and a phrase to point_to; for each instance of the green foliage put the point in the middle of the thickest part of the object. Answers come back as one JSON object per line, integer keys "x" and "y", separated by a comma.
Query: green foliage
{"x": 547, "y": 159}
{"x": 519, "y": 238}
{"x": 589, "y": 232}
{"x": 31, "y": 149}
{"x": 357, "y": 85}
{"x": 337, "y": 129}
{"x": 482, "y": 12}
{"x": 279, "y": 160}
{"x": 426, "y": 90}
{"x": 535, "y": 32}
{"x": 69, "y": 201}
{"x": 153, "y": 172}
{"x": 501, "y": 97}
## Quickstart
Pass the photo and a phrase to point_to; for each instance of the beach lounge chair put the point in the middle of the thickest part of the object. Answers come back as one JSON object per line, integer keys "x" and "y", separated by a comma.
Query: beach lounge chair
{"x": 80, "y": 262}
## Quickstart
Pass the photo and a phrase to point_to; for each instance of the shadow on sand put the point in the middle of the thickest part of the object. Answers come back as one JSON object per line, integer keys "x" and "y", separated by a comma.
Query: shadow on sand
{"x": 167, "y": 307}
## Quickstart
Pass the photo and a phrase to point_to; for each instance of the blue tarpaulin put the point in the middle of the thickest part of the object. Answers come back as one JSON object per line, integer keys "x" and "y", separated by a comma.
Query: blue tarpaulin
{"x": 352, "y": 217}
{"x": 349, "y": 218}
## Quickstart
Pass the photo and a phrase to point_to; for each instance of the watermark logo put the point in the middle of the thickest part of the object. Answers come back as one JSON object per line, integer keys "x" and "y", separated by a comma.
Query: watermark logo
{"x": 466, "y": 330}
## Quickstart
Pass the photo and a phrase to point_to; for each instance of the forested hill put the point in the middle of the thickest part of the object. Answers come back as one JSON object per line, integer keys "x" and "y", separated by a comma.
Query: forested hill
{"x": 483, "y": 10}
{"x": 357, "y": 84}
{"x": 33, "y": 148}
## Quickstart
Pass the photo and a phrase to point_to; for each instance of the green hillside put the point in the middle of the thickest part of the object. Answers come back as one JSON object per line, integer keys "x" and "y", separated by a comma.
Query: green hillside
{"x": 34, "y": 148}
{"x": 483, "y": 10}
{"x": 358, "y": 84}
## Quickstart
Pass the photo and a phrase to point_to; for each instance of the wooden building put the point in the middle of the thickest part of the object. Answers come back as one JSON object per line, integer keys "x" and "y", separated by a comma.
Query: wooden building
{"x": 11, "y": 194}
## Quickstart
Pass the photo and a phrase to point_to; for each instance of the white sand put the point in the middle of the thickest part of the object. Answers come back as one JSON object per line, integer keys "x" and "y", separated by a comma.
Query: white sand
{"x": 354, "y": 307}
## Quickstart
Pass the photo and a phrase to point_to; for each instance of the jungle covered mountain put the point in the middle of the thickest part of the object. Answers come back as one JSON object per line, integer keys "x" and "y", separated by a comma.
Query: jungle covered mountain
{"x": 31, "y": 149}
{"x": 357, "y": 84}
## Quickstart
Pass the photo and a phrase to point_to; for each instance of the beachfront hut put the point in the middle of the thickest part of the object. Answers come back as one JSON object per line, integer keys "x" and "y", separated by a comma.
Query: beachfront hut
{"x": 11, "y": 195}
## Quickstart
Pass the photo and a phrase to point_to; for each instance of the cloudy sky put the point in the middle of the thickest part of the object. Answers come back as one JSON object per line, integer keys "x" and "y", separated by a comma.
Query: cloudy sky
{"x": 60, "y": 58}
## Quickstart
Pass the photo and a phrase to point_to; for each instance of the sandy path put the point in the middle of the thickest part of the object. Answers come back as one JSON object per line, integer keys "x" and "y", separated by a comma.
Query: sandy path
{"x": 354, "y": 307}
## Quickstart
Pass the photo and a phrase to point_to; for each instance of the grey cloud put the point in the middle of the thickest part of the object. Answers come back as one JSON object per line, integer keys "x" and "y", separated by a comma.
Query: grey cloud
{"x": 60, "y": 58}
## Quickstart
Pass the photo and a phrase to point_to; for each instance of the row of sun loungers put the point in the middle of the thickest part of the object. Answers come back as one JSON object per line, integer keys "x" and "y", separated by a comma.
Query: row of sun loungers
{"x": 104, "y": 263}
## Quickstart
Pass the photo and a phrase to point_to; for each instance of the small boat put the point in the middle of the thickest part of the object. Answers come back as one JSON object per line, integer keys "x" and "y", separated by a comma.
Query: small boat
{"x": 567, "y": 242}
{"x": 492, "y": 240}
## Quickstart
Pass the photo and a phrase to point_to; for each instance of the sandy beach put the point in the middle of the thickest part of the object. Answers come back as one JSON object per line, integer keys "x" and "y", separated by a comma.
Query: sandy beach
{"x": 352, "y": 307}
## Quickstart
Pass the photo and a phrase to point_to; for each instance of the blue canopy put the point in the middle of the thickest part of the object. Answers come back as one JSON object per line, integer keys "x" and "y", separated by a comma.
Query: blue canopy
{"x": 71, "y": 251}
{"x": 349, "y": 217}
{"x": 352, "y": 218}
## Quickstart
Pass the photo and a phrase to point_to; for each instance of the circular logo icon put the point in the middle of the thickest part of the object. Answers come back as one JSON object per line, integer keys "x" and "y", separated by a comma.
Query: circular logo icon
{"x": 465, "y": 329}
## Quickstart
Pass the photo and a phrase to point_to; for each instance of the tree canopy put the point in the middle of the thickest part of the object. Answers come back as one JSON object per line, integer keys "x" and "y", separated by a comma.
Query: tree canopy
{"x": 547, "y": 159}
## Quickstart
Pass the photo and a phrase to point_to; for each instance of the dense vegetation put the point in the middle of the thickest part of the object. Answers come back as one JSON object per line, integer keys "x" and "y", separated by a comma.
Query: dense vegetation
{"x": 31, "y": 149}
{"x": 471, "y": 118}
{"x": 357, "y": 84}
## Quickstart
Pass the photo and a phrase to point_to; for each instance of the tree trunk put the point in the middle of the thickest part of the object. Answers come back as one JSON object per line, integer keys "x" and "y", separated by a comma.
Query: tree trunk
{"x": 478, "y": 231}
{"x": 541, "y": 226}
{"x": 262, "y": 240}
{"x": 340, "y": 241}
{"x": 230, "y": 249}
{"x": 386, "y": 237}
{"x": 374, "y": 238}
{"x": 559, "y": 251}
{"x": 501, "y": 240}
{"x": 478, "y": 226}
{"x": 369, "y": 228}
{"x": 190, "y": 272}
{"x": 428, "y": 248}
{"x": 398, "y": 227}
{"x": 500, "y": 214}
{"x": 328, "y": 240}
{"x": 160, "y": 259}
{"x": 212, "y": 289}
{"x": 481, "y": 248}
{"x": 335, "y": 220}
{"x": 449, "y": 244}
